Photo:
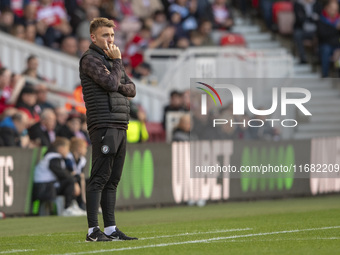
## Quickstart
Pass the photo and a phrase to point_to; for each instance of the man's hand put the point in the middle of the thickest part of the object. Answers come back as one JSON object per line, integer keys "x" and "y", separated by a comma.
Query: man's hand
{"x": 112, "y": 51}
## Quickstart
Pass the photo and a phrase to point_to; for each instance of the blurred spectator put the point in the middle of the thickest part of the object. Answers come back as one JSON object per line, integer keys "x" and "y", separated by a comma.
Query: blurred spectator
{"x": 201, "y": 124}
{"x": 307, "y": 13}
{"x": 226, "y": 131}
{"x": 52, "y": 21}
{"x": 196, "y": 39}
{"x": 144, "y": 9}
{"x": 11, "y": 129}
{"x": 108, "y": 9}
{"x": 42, "y": 102}
{"x": 10, "y": 87}
{"x": 84, "y": 27}
{"x": 72, "y": 128}
{"x": 83, "y": 127}
{"x": 83, "y": 46}
{"x": 142, "y": 72}
{"x": 32, "y": 64}
{"x": 51, "y": 177}
{"x": 265, "y": 132}
{"x": 328, "y": 34}
{"x": 222, "y": 15}
{"x": 16, "y": 6}
{"x": 176, "y": 23}
{"x": 157, "y": 23}
{"x": 5, "y": 80}
{"x": 182, "y": 43}
{"x": 165, "y": 40}
{"x": 135, "y": 48}
{"x": 205, "y": 29}
{"x": 186, "y": 10}
{"x": 8, "y": 112}
{"x": 78, "y": 105}
{"x": 186, "y": 100}
{"x": 62, "y": 116}
{"x": 137, "y": 132}
{"x": 18, "y": 31}
{"x": 31, "y": 34}
{"x": 29, "y": 14}
{"x": 69, "y": 45}
{"x": 123, "y": 8}
{"x": 77, "y": 12}
{"x": 182, "y": 131}
{"x": 266, "y": 7}
{"x": 176, "y": 105}
{"x": 76, "y": 162}
{"x": 43, "y": 132}
{"x": 204, "y": 10}
{"x": 6, "y": 20}
{"x": 27, "y": 102}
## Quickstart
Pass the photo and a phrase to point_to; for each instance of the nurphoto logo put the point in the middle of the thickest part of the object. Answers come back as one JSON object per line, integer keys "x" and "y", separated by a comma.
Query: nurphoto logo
{"x": 280, "y": 98}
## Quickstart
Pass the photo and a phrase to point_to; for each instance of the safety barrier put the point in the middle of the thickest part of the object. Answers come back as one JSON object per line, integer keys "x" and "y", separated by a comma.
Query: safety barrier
{"x": 174, "y": 68}
{"x": 53, "y": 65}
{"x": 160, "y": 173}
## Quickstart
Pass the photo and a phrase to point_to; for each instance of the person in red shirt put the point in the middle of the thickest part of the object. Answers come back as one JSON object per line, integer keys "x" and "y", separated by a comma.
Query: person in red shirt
{"x": 52, "y": 21}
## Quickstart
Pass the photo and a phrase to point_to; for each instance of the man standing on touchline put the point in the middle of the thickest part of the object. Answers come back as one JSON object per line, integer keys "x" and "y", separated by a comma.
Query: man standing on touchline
{"x": 105, "y": 88}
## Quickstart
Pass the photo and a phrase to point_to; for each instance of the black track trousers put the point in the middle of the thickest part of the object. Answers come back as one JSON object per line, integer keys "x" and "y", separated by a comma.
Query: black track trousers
{"x": 108, "y": 156}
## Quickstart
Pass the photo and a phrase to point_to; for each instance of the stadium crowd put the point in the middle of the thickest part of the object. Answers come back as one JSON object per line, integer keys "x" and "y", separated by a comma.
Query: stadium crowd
{"x": 63, "y": 26}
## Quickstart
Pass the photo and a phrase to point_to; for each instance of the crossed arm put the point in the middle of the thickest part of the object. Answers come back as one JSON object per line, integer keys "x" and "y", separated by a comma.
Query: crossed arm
{"x": 109, "y": 80}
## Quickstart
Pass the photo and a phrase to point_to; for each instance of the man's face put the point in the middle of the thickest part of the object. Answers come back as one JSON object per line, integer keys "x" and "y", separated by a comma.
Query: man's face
{"x": 103, "y": 37}
{"x": 33, "y": 64}
{"x": 49, "y": 122}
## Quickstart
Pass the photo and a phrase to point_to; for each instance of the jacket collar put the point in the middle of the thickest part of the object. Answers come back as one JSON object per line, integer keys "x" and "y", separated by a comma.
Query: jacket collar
{"x": 99, "y": 50}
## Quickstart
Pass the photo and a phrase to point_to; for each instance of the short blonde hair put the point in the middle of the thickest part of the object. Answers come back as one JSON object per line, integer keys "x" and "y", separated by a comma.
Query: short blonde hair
{"x": 77, "y": 142}
{"x": 60, "y": 142}
{"x": 100, "y": 22}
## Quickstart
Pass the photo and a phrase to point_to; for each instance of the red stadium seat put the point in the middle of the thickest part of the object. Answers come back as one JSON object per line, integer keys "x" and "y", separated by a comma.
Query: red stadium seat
{"x": 156, "y": 132}
{"x": 283, "y": 6}
{"x": 255, "y": 3}
{"x": 233, "y": 40}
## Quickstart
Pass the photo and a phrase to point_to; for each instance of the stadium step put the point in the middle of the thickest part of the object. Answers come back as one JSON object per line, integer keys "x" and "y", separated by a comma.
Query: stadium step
{"x": 324, "y": 118}
{"x": 306, "y": 75}
{"x": 314, "y": 127}
{"x": 302, "y": 69}
{"x": 246, "y": 29}
{"x": 254, "y": 37}
{"x": 323, "y": 110}
{"x": 325, "y": 103}
{"x": 264, "y": 45}
{"x": 309, "y": 135}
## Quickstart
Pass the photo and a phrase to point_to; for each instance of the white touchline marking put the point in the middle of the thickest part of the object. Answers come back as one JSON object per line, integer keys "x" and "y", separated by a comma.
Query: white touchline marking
{"x": 14, "y": 251}
{"x": 198, "y": 233}
{"x": 199, "y": 241}
{"x": 279, "y": 240}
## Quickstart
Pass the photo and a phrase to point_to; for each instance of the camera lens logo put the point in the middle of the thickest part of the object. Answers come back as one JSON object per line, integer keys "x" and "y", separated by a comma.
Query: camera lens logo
{"x": 204, "y": 97}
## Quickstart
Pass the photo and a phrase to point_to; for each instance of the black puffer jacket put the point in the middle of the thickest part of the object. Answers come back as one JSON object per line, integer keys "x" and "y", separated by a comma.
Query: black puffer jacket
{"x": 105, "y": 88}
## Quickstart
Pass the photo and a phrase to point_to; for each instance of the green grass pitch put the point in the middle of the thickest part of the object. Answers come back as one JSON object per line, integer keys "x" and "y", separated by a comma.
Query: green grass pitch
{"x": 289, "y": 226}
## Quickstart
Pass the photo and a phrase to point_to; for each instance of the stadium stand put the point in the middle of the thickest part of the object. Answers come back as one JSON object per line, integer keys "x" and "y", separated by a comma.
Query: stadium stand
{"x": 172, "y": 67}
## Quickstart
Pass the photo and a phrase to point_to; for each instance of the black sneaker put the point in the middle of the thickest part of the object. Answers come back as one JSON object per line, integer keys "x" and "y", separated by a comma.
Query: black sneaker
{"x": 97, "y": 236}
{"x": 119, "y": 235}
